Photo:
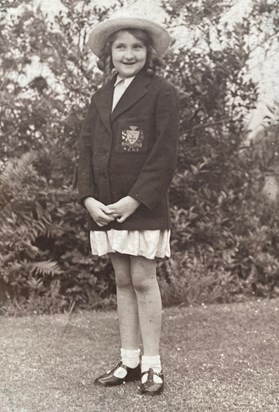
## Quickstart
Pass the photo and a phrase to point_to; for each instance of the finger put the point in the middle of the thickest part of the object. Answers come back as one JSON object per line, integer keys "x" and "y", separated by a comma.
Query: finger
{"x": 112, "y": 208}
{"x": 121, "y": 219}
{"x": 100, "y": 224}
{"x": 115, "y": 215}
{"x": 107, "y": 210}
{"x": 103, "y": 220}
{"x": 104, "y": 216}
{"x": 106, "y": 221}
{"x": 111, "y": 205}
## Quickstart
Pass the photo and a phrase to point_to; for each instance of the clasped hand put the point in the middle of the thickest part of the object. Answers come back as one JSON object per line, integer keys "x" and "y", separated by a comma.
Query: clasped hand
{"x": 119, "y": 211}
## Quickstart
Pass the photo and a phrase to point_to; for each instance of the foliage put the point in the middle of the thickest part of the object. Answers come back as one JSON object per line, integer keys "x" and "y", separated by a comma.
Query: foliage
{"x": 219, "y": 214}
{"x": 220, "y": 220}
{"x": 37, "y": 259}
{"x": 223, "y": 244}
{"x": 44, "y": 255}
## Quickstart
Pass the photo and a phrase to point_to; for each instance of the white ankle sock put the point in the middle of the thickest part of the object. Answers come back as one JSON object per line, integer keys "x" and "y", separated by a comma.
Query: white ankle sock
{"x": 153, "y": 362}
{"x": 129, "y": 358}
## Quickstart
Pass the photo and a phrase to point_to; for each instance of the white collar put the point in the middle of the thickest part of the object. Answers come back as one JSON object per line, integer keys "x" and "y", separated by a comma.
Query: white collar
{"x": 127, "y": 81}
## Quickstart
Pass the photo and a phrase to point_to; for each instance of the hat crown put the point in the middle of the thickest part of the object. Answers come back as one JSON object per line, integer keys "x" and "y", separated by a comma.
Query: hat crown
{"x": 124, "y": 19}
{"x": 134, "y": 12}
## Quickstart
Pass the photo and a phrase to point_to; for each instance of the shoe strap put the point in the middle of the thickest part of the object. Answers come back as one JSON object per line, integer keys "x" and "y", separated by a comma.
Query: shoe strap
{"x": 151, "y": 373}
{"x": 119, "y": 365}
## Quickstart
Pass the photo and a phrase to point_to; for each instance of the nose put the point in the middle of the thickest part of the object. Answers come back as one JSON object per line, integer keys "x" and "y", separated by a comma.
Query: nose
{"x": 129, "y": 55}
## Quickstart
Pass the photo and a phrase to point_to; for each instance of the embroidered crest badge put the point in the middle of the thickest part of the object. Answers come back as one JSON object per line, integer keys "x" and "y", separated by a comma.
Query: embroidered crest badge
{"x": 132, "y": 139}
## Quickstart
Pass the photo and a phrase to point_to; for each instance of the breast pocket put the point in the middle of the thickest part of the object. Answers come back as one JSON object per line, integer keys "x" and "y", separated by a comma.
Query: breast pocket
{"x": 132, "y": 136}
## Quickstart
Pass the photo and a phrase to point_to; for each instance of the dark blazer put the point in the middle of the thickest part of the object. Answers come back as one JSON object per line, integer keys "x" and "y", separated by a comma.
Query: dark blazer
{"x": 131, "y": 151}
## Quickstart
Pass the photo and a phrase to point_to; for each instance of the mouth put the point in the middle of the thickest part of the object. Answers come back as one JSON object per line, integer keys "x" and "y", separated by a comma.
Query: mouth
{"x": 129, "y": 63}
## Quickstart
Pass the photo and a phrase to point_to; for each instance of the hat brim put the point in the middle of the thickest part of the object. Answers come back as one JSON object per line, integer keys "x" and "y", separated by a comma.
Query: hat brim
{"x": 100, "y": 34}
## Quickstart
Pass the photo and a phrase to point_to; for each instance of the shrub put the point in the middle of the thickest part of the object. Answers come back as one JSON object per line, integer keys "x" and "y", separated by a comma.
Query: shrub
{"x": 37, "y": 258}
{"x": 220, "y": 219}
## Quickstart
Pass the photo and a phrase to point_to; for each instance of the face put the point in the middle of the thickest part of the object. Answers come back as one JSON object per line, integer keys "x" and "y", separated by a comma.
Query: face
{"x": 128, "y": 54}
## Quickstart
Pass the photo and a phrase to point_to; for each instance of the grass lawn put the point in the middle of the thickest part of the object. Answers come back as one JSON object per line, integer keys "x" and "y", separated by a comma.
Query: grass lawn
{"x": 216, "y": 358}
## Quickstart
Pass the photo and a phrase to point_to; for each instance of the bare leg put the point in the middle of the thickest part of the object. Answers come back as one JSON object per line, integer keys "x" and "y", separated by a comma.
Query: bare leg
{"x": 126, "y": 302}
{"x": 144, "y": 279}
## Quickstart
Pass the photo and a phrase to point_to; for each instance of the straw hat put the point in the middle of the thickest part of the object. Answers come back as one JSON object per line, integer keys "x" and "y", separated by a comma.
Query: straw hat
{"x": 100, "y": 33}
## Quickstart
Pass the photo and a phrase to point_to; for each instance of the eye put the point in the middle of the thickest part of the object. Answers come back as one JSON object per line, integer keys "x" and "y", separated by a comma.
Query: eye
{"x": 138, "y": 46}
{"x": 119, "y": 46}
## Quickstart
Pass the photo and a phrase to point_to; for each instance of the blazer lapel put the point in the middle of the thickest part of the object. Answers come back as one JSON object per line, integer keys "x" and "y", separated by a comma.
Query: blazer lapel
{"x": 103, "y": 102}
{"x": 135, "y": 91}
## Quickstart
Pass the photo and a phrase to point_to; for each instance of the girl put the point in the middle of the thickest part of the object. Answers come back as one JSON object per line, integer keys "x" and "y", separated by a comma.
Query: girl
{"x": 127, "y": 159}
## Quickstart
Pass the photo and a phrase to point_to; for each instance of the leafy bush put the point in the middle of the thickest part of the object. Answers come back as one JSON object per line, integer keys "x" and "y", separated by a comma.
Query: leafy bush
{"x": 37, "y": 259}
{"x": 220, "y": 218}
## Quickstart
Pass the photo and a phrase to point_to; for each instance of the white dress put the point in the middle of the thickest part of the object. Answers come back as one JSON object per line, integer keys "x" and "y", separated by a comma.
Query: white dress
{"x": 147, "y": 243}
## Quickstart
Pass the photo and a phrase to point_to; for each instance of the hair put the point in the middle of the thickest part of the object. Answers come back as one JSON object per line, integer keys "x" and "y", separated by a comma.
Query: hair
{"x": 152, "y": 60}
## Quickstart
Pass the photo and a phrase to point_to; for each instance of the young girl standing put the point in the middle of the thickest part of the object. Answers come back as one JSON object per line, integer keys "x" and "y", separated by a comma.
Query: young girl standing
{"x": 127, "y": 158}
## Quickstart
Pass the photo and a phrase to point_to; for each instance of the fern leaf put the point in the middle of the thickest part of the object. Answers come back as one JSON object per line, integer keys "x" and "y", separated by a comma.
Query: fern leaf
{"x": 47, "y": 267}
{"x": 15, "y": 170}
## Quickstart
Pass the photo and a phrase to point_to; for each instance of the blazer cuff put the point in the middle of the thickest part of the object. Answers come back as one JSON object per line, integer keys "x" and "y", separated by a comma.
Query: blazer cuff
{"x": 82, "y": 198}
{"x": 146, "y": 202}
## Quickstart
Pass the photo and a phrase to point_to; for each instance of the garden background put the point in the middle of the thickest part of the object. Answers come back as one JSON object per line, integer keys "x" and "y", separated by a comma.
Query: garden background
{"x": 225, "y": 237}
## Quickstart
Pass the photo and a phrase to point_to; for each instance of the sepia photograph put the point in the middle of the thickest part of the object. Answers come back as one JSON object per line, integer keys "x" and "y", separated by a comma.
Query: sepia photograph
{"x": 139, "y": 205}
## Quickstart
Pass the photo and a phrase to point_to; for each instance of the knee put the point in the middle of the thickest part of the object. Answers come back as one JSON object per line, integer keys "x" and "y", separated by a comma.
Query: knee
{"x": 121, "y": 266}
{"x": 123, "y": 281}
{"x": 144, "y": 285}
{"x": 143, "y": 274}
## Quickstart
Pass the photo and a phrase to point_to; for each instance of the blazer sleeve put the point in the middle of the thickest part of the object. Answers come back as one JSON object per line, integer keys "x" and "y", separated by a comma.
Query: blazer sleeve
{"x": 85, "y": 182}
{"x": 157, "y": 172}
